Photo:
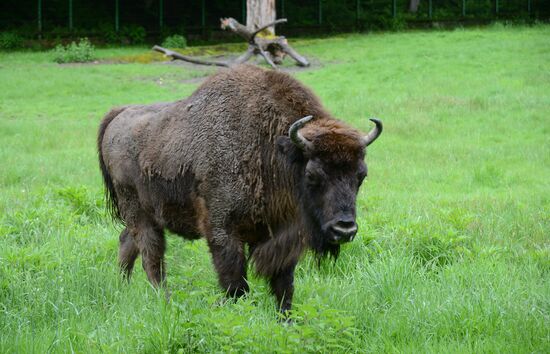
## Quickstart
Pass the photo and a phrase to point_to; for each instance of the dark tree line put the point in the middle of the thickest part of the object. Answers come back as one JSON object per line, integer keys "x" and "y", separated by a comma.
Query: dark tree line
{"x": 187, "y": 15}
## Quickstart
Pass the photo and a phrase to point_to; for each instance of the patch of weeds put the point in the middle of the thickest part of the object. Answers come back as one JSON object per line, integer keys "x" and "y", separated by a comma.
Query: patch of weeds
{"x": 10, "y": 40}
{"x": 478, "y": 104}
{"x": 458, "y": 218}
{"x": 80, "y": 52}
{"x": 497, "y": 25}
{"x": 488, "y": 175}
{"x": 434, "y": 246}
{"x": 134, "y": 34}
{"x": 541, "y": 257}
{"x": 391, "y": 278}
{"x": 175, "y": 41}
{"x": 336, "y": 329}
{"x": 208, "y": 51}
{"x": 26, "y": 226}
{"x": 81, "y": 201}
{"x": 435, "y": 251}
{"x": 143, "y": 58}
{"x": 30, "y": 259}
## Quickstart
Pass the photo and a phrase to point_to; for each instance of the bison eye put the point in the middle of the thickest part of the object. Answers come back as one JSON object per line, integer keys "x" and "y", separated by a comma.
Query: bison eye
{"x": 313, "y": 179}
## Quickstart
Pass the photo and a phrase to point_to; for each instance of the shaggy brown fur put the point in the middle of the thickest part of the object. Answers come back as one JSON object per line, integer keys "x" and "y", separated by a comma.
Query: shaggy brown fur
{"x": 219, "y": 164}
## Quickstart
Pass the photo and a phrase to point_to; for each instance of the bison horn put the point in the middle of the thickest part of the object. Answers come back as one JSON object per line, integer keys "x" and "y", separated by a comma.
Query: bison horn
{"x": 374, "y": 133}
{"x": 296, "y": 137}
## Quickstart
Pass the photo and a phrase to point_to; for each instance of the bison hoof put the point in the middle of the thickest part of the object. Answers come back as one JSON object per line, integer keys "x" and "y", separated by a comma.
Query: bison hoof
{"x": 285, "y": 318}
{"x": 237, "y": 290}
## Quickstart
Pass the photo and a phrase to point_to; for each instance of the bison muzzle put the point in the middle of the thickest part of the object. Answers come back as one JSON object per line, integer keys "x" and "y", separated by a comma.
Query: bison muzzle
{"x": 251, "y": 161}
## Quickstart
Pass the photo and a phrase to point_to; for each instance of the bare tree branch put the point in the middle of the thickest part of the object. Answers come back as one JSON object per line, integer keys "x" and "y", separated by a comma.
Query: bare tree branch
{"x": 293, "y": 54}
{"x": 281, "y": 20}
{"x": 236, "y": 27}
{"x": 176, "y": 55}
{"x": 245, "y": 56}
{"x": 267, "y": 58}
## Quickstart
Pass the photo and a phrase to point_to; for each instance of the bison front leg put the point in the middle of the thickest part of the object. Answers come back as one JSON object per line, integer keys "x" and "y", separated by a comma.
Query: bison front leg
{"x": 230, "y": 262}
{"x": 282, "y": 286}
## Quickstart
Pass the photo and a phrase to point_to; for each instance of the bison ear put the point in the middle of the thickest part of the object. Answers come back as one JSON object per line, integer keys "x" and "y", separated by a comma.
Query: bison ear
{"x": 285, "y": 145}
{"x": 289, "y": 149}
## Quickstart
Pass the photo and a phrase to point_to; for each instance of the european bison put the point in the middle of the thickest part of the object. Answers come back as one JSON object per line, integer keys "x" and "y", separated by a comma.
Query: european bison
{"x": 250, "y": 158}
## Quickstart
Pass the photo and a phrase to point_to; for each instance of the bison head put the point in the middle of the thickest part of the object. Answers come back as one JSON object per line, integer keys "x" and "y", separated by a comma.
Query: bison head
{"x": 328, "y": 160}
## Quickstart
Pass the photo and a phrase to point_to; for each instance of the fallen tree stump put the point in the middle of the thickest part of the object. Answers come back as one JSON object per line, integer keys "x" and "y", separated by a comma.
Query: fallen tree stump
{"x": 272, "y": 48}
{"x": 179, "y": 56}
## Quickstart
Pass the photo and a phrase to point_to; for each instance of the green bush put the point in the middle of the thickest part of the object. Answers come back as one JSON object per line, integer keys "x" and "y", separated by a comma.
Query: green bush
{"x": 175, "y": 41}
{"x": 107, "y": 33}
{"x": 133, "y": 34}
{"x": 10, "y": 40}
{"x": 82, "y": 52}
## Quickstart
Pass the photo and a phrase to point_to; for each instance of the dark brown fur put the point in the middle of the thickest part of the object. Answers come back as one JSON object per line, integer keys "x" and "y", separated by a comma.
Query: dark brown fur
{"x": 219, "y": 165}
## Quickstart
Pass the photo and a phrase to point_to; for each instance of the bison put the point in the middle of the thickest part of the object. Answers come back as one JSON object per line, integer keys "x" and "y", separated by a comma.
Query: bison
{"x": 251, "y": 161}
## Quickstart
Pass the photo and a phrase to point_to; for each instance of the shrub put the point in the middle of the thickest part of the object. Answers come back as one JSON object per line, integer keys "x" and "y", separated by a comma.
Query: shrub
{"x": 134, "y": 34}
{"x": 82, "y": 52}
{"x": 107, "y": 33}
{"x": 10, "y": 40}
{"x": 175, "y": 41}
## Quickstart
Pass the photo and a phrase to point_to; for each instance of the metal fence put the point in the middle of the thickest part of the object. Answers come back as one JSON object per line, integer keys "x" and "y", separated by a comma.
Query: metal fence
{"x": 190, "y": 16}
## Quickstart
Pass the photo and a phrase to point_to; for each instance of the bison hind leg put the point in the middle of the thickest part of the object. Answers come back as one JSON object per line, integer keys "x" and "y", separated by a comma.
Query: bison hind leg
{"x": 152, "y": 245}
{"x": 127, "y": 253}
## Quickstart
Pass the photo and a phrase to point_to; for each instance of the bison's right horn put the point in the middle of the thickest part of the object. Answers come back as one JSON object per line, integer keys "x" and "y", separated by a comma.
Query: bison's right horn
{"x": 374, "y": 133}
{"x": 296, "y": 137}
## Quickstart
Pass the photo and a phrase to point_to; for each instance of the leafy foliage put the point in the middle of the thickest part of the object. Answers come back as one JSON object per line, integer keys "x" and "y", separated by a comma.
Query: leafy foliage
{"x": 175, "y": 41}
{"x": 133, "y": 34}
{"x": 80, "y": 52}
{"x": 10, "y": 40}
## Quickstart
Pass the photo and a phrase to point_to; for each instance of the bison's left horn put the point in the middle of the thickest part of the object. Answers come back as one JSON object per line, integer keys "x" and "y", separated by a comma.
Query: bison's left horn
{"x": 296, "y": 137}
{"x": 374, "y": 133}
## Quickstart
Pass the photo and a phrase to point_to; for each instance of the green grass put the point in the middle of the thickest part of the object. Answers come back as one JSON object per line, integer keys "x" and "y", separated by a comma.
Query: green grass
{"x": 454, "y": 246}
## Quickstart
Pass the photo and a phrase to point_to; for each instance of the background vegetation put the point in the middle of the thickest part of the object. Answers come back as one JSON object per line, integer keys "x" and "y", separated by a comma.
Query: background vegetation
{"x": 139, "y": 20}
{"x": 453, "y": 253}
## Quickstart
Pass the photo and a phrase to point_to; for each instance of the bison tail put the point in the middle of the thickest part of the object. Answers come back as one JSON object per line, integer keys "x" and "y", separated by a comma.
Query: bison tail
{"x": 110, "y": 193}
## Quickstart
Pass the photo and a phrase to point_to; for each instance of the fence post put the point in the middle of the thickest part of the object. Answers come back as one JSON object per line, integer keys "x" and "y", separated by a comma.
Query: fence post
{"x": 203, "y": 17}
{"x": 463, "y": 8}
{"x": 71, "y": 15}
{"x": 161, "y": 14}
{"x": 430, "y": 9}
{"x": 357, "y": 10}
{"x": 116, "y": 16}
{"x": 320, "y": 12}
{"x": 496, "y": 7}
{"x": 40, "y": 19}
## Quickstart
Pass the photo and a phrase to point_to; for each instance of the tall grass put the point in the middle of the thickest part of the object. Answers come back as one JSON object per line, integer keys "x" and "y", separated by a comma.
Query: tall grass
{"x": 454, "y": 249}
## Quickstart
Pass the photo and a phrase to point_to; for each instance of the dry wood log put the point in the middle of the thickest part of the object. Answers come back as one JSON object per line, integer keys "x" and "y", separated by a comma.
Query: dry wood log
{"x": 179, "y": 56}
{"x": 272, "y": 48}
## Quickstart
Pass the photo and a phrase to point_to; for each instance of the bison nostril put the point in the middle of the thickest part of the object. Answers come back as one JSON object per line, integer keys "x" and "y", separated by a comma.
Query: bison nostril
{"x": 346, "y": 224}
{"x": 345, "y": 229}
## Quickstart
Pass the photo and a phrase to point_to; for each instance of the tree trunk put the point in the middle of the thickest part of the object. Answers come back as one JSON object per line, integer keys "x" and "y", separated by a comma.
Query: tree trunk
{"x": 260, "y": 13}
{"x": 413, "y": 5}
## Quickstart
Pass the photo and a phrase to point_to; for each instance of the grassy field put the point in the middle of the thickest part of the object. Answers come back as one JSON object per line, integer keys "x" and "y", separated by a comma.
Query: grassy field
{"x": 454, "y": 247}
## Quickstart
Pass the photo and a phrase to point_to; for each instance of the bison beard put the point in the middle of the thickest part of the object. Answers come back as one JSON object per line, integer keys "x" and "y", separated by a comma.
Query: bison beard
{"x": 237, "y": 164}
